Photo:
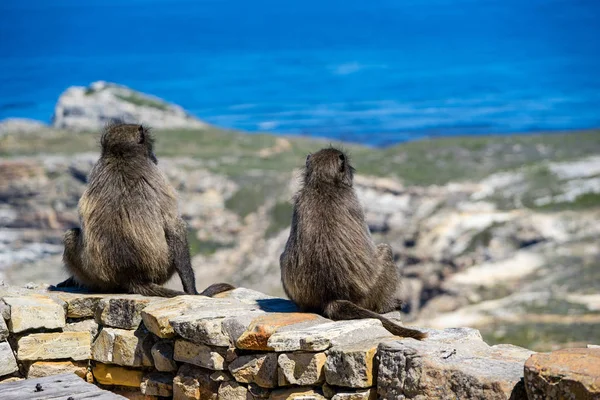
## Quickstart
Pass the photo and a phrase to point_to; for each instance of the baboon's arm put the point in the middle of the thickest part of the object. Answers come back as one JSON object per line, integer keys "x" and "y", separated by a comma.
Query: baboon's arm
{"x": 179, "y": 255}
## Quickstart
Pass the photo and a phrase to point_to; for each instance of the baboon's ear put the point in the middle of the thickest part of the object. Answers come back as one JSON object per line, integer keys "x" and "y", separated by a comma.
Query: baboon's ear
{"x": 141, "y": 134}
{"x": 342, "y": 158}
{"x": 307, "y": 159}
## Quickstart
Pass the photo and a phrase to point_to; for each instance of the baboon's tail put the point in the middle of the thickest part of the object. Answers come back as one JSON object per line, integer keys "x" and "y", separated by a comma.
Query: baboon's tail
{"x": 344, "y": 310}
{"x": 216, "y": 288}
{"x": 152, "y": 289}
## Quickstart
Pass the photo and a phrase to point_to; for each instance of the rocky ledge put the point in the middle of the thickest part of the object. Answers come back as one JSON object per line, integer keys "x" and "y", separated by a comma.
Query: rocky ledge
{"x": 246, "y": 345}
{"x": 90, "y": 108}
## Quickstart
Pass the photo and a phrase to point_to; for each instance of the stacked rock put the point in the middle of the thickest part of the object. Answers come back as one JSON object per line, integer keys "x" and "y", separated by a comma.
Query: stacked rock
{"x": 247, "y": 345}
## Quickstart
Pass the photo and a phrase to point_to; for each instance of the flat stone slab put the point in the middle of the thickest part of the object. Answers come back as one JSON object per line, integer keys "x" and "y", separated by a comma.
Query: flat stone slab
{"x": 79, "y": 305}
{"x": 323, "y": 336}
{"x": 54, "y": 346}
{"x": 114, "y": 375}
{"x": 123, "y": 347}
{"x": 204, "y": 326}
{"x": 564, "y": 374}
{"x": 157, "y": 316}
{"x": 301, "y": 368}
{"x": 462, "y": 368}
{"x": 201, "y": 355}
{"x": 157, "y": 384}
{"x": 193, "y": 383}
{"x": 353, "y": 365}
{"x": 123, "y": 312}
{"x": 256, "y": 368}
{"x": 35, "y": 312}
{"x": 40, "y": 369}
{"x": 261, "y": 328}
{"x": 57, "y": 387}
{"x": 9, "y": 363}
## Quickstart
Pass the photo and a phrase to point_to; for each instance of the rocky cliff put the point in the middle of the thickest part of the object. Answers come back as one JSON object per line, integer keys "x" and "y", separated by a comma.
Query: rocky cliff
{"x": 90, "y": 108}
{"x": 247, "y": 345}
{"x": 497, "y": 233}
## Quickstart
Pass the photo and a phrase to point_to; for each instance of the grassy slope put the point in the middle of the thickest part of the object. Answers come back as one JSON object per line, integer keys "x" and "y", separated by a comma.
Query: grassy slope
{"x": 421, "y": 162}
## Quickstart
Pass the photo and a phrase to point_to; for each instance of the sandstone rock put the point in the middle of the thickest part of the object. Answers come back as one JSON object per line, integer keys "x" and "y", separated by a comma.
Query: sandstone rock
{"x": 157, "y": 384}
{"x": 117, "y": 376}
{"x": 35, "y": 312}
{"x": 192, "y": 383}
{"x": 3, "y": 330}
{"x": 156, "y": 316}
{"x": 123, "y": 347}
{"x": 231, "y": 390}
{"x": 204, "y": 325}
{"x": 352, "y": 365}
{"x": 449, "y": 368}
{"x": 79, "y": 305}
{"x": 162, "y": 353}
{"x": 86, "y": 325}
{"x": 9, "y": 364}
{"x": 198, "y": 354}
{"x": 257, "y": 368}
{"x": 121, "y": 312}
{"x": 300, "y": 393}
{"x": 204, "y": 331}
{"x": 369, "y": 394}
{"x": 90, "y": 108}
{"x": 323, "y": 336}
{"x": 303, "y": 369}
{"x": 256, "y": 336}
{"x": 564, "y": 374}
{"x": 39, "y": 369}
{"x": 54, "y": 346}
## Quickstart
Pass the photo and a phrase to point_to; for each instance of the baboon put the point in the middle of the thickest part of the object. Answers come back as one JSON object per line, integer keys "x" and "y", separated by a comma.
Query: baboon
{"x": 132, "y": 239}
{"x": 330, "y": 264}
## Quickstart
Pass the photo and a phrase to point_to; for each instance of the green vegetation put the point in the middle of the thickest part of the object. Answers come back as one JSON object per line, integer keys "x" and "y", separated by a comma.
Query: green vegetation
{"x": 253, "y": 192}
{"x": 543, "y": 336}
{"x": 481, "y": 239}
{"x": 142, "y": 101}
{"x": 205, "y": 247}
{"x": 581, "y": 202}
{"x": 280, "y": 218}
{"x": 422, "y": 162}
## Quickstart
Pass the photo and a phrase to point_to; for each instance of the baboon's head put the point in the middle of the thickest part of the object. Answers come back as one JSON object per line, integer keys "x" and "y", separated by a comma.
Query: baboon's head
{"x": 329, "y": 165}
{"x": 127, "y": 140}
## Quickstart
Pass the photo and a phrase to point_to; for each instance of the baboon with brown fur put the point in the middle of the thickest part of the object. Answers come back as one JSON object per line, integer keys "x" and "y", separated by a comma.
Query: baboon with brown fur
{"x": 330, "y": 264}
{"x": 132, "y": 239}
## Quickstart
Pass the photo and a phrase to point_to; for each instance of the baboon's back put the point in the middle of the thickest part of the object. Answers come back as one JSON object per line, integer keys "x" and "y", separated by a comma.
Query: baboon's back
{"x": 123, "y": 221}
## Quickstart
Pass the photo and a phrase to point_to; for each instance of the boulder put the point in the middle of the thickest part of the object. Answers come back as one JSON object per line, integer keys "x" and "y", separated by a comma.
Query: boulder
{"x": 564, "y": 374}
{"x": 90, "y": 108}
{"x": 454, "y": 363}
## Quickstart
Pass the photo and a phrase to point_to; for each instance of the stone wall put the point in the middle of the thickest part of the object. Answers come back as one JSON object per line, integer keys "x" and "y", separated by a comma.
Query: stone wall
{"x": 246, "y": 345}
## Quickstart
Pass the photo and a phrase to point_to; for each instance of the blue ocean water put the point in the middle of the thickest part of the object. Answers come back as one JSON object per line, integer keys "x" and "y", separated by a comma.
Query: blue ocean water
{"x": 376, "y": 72}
